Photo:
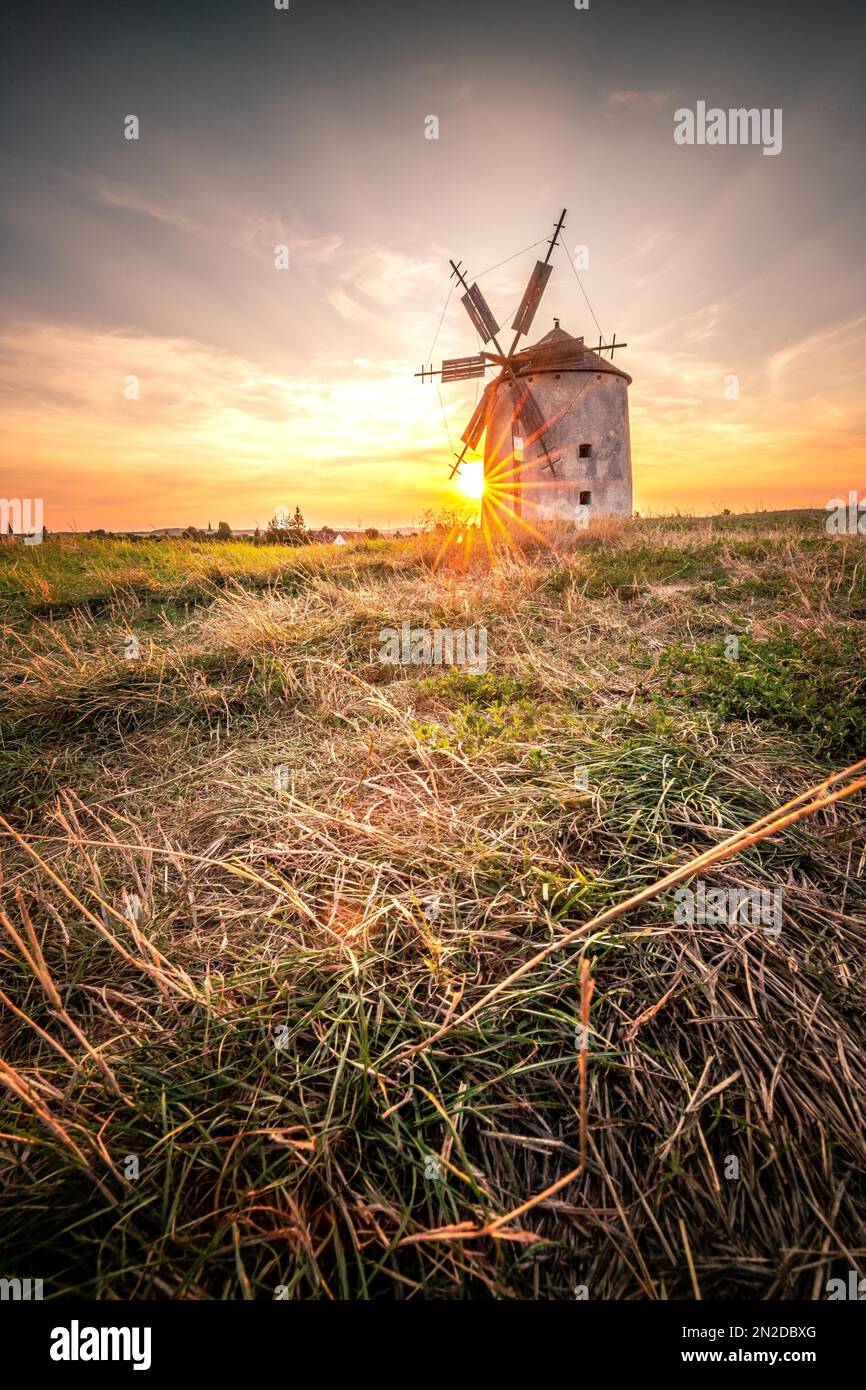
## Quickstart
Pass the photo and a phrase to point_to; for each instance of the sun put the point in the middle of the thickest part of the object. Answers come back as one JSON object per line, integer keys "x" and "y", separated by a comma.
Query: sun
{"x": 472, "y": 480}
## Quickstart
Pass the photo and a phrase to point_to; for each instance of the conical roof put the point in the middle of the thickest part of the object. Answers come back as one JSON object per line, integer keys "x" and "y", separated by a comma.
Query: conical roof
{"x": 559, "y": 351}
{"x": 556, "y": 336}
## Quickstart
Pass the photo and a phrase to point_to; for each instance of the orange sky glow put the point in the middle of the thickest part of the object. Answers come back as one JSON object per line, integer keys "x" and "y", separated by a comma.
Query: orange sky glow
{"x": 262, "y": 388}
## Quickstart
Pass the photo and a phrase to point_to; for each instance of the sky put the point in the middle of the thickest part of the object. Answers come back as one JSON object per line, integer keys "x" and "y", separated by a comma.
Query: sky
{"x": 736, "y": 278}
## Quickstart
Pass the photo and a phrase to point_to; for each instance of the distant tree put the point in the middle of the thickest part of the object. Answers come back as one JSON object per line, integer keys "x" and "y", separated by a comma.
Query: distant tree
{"x": 372, "y": 534}
{"x": 287, "y": 530}
{"x": 278, "y": 528}
{"x": 447, "y": 519}
{"x": 192, "y": 533}
{"x": 298, "y": 533}
{"x": 224, "y": 532}
{"x": 327, "y": 534}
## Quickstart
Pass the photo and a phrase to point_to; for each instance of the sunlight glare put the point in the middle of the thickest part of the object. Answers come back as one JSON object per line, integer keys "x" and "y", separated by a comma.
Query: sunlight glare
{"x": 472, "y": 480}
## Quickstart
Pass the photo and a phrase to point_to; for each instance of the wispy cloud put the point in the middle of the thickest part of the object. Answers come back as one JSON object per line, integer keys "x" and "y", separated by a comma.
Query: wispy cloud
{"x": 356, "y": 281}
{"x": 124, "y": 198}
{"x": 655, "y": 97}
{"x": 651, "y": 241}
{"x": 209, "y": 428}
{"x": 839, "y": 335}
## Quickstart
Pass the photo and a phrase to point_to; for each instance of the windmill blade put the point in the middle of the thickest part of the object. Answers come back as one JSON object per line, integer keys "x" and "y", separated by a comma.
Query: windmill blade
{"x": 478, "y": 423}
{"x": 532, "y": 423}
{"x": 463, "y": 368}
{"x": 532, "y": 297}
{"x": 479, "y": 311}
{"x": 535, "y": 289}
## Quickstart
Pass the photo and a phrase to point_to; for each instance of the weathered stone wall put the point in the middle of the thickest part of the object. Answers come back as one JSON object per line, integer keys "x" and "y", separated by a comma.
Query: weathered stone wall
{"x": 582, "y": 408}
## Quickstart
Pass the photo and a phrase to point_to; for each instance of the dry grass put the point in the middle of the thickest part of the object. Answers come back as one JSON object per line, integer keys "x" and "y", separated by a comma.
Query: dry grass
{"x": 301, "y": 917}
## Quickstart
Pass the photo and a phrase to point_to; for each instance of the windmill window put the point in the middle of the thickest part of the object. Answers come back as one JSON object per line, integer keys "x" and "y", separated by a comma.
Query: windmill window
{"x": 585, "y": 499}
{"x": 585, "y": 451}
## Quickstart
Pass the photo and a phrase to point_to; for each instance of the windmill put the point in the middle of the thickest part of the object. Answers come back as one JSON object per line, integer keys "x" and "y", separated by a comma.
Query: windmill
{"x": 541, "y": 452}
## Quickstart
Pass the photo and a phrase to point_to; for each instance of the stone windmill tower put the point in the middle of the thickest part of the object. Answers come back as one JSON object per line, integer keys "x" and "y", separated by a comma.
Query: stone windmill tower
{"x": 555, "y": 418}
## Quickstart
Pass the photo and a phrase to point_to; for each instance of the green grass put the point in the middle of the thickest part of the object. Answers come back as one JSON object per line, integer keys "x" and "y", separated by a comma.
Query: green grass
{"x": 810, "y": 684}
{"x": 432, "y": 836}
{"x": 65, "y": 574}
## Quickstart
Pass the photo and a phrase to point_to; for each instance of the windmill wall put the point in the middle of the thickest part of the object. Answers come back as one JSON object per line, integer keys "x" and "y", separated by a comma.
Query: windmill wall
{"x": 580, "y": 408}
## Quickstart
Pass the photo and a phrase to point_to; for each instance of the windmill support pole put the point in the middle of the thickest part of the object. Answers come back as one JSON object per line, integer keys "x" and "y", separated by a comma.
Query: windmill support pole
{"x": 463, "y": 452}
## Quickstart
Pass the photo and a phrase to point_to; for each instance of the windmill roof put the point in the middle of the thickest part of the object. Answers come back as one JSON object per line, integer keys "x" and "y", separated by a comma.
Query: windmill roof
{"x": 559, "y": 351}
{"x": 555, "y": 336}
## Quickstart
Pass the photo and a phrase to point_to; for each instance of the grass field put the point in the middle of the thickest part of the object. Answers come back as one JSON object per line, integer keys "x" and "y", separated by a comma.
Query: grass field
{"x": 222, "y": 983}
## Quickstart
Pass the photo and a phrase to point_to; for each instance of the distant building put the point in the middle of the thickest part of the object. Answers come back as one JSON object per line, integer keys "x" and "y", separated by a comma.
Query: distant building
{"x": 327, "y": 536}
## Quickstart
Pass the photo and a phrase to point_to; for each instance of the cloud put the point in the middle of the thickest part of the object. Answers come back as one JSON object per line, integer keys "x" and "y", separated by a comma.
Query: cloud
{"x": 126, "y": 199}
{"x": 786, "y": 357}
{"x": 357, "y": 281}
{"x": 385, "y": 289}
{"x": 652, "y": 240}
{"x": 256, "y": 233}
{"x": 208, "y": 427}
{"x": 655, "y": 97}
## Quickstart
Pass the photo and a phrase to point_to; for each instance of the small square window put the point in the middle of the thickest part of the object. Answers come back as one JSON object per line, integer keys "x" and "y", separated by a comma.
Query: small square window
{"x": 585, "y": 499}
{"x": 585, "y": 451}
